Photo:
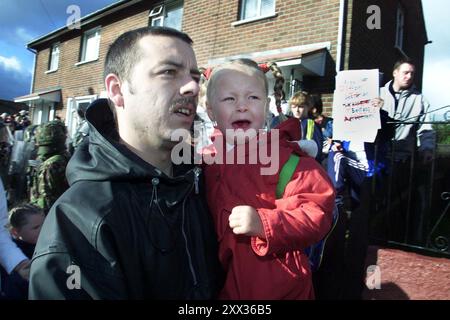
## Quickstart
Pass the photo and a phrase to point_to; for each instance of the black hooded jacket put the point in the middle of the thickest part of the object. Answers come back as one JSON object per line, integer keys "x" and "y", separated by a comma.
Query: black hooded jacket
{"x": 124, "y": 230}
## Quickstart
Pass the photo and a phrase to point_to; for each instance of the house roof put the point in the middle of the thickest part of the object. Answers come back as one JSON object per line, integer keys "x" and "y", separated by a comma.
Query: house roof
{"x": 92, "y": 17}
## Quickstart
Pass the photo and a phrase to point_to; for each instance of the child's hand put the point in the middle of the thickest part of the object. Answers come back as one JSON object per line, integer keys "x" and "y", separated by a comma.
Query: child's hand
{"x": 245, "y": 220}
{"x": 336, "y": 147}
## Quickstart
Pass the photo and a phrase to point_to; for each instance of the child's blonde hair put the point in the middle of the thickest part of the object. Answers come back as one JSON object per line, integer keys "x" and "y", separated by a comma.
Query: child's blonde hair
{"x": 244, "y": 65}
{"x": 301, "y": 98}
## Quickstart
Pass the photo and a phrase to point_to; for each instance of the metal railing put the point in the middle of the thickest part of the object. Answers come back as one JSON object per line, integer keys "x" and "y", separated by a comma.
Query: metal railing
{"x": 415, "y": 201}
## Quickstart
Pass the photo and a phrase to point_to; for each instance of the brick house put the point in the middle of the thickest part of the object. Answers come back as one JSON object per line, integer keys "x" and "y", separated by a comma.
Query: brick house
{"x": 309, "y": 39}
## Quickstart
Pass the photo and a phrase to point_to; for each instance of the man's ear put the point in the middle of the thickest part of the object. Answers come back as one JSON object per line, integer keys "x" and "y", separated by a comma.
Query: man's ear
{"x": 113, "y": 87}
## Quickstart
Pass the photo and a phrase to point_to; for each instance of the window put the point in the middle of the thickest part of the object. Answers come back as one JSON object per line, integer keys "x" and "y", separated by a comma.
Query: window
{"x": 169, "y": 15}
{"x": 54, "y": 58}
{"x": 90, "y": 45}
{"x": 256, "y": 8}
{"x": 72, "y": 119}
{"x": 400, "y": 27}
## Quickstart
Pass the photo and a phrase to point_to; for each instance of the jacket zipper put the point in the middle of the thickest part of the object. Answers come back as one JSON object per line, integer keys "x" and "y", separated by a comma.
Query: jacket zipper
{"x": 195, "y": 186}
{"x": 197, "y": 172}
{"x": 191, "y": 266}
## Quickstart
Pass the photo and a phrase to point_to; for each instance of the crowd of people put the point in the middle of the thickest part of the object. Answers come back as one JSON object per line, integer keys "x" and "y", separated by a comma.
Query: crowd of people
{"x": 134, "y": 225}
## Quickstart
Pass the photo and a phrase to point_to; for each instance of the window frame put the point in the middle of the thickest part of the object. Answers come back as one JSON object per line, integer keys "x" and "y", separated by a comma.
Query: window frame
{"x": 259, "y": 13}
{"x": 159, "y": 12}
{"x": 71, "y": 119}
{"x": 400, "y": 27}
{"x": 51, "y": 56}
{"x": 84, "y": 41}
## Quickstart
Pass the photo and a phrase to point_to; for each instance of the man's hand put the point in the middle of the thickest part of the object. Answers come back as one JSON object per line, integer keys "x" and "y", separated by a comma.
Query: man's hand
{"x": 377, "y": 102}
{"x": 23, "y": 269}
{"x": 245, "y": 220}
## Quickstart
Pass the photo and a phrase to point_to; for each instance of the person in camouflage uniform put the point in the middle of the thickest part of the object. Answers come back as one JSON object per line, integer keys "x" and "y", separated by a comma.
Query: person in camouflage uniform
{"x": 48, "y": 180}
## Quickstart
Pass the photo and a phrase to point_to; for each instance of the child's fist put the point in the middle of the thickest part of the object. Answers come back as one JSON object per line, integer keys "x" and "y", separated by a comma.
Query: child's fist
{"x": 245, "y": 220}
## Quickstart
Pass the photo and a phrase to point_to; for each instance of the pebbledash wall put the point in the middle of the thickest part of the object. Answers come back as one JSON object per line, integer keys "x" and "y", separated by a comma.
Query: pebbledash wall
{"x": 214, "y": 26}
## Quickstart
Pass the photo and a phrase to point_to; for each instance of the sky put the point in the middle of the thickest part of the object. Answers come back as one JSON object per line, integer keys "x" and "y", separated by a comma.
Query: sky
{"x": 24, "y": 20}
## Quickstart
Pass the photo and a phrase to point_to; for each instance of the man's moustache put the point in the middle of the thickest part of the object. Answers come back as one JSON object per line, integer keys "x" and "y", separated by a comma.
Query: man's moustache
{"x": 184, "y": 101}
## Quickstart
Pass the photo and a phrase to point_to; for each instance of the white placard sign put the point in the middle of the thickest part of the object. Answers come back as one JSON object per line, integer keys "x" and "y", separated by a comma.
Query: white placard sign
{"x": 355, "y": 119}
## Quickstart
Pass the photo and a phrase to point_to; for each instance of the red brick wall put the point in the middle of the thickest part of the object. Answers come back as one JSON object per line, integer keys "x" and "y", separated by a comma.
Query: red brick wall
{"x": 299, "y": 22}
{"x": 372, "y": 49}
{"x": 208, "y": 22}
{"x": 75, "y": 80}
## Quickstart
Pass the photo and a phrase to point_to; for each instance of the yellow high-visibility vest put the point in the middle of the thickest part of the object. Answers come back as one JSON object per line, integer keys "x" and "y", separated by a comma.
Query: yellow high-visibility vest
{"x": 309, "y": 129}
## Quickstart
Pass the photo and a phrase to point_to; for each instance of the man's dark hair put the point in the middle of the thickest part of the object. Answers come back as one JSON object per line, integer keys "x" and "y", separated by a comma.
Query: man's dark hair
{"x": 124, "y": 52}
{"x": 402, "y": 61}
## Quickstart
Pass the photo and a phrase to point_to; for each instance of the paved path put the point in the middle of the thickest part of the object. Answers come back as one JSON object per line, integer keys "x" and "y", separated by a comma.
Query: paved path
{"x": 408, "y": 276}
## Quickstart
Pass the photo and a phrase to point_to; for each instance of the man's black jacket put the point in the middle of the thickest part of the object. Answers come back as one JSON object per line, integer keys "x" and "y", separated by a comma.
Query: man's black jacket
{"x": 124, "y": 230}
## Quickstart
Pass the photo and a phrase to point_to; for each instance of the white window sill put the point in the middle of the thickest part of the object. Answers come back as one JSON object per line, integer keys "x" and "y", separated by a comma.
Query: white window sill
{"x": 51, "y": 71}
{"x": 240, "y": 22}
{"x": 84, "y": 62}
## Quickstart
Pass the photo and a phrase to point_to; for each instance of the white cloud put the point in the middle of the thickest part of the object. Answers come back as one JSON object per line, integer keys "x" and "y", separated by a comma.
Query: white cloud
{"x": 436, "y": 80}
{"x": 12, "y": 63}
{"x": 24, "y": 35}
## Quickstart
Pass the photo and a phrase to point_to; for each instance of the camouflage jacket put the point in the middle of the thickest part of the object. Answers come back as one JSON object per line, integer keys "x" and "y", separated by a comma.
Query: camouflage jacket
{"x": 48, "y": 181}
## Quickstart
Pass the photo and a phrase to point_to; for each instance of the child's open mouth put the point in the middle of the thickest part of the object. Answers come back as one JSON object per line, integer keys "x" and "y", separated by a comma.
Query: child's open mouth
{"x": 241, "y": 124}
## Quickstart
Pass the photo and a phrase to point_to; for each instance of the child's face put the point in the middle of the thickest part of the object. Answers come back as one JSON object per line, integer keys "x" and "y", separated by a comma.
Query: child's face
{"x": 239, "y": 101}
{"x": 30, "y": 231}
{"x": 299, "y": 111}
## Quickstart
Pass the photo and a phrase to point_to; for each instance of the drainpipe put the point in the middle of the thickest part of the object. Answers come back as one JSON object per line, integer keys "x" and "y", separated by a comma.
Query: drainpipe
{"x": 340, "y": 39}
{"x": 30, "y": 108}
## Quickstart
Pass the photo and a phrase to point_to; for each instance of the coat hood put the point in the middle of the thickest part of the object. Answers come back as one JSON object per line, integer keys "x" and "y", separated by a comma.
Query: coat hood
{"x": 102, "y": 157}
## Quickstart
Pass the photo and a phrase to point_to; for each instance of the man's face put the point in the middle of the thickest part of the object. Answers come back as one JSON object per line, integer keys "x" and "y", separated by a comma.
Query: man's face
{"x": 404, "y": 76}
{"x": 161, "y": 94}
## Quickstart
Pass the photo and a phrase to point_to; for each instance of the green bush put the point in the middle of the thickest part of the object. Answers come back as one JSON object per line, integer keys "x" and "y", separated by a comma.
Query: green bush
{"x": 442, "y": 133}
